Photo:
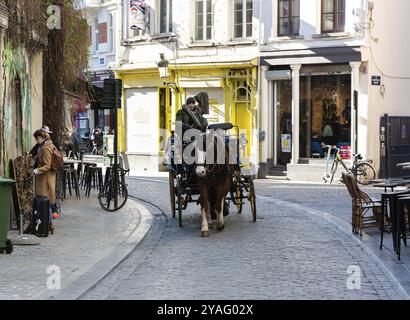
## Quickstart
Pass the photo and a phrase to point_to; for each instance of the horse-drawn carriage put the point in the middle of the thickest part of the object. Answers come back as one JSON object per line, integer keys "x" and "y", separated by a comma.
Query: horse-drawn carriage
{"x": 184, "y": 187}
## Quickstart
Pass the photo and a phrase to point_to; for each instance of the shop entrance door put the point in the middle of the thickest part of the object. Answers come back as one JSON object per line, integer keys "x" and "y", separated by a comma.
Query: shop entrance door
{"x": 283, "y": 122}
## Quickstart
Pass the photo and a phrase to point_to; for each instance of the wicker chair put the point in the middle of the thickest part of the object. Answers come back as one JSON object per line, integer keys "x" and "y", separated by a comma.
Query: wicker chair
{"x": 366, "y": 212}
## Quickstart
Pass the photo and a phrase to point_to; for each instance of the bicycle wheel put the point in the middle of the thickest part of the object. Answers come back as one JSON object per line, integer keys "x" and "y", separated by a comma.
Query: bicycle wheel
{"x": 113, "y": 196}
{"x": 333, "y": 171}
{"x": 364, "y": 172}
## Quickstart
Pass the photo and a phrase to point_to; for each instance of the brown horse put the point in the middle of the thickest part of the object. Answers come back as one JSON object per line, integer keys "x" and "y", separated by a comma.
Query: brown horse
{"x": 214, "y": 183}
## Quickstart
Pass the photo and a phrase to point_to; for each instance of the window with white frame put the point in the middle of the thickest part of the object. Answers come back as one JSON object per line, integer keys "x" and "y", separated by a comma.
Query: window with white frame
{"x": 243, "y": 12}
{"x": 203, "y": 20}
{"x": 333, "y": 15}
{"x": 165, "y": 19}
{"x": 288, "y": 17}
{"x": 96, "y": 35}
{"x": 111, "y": 32}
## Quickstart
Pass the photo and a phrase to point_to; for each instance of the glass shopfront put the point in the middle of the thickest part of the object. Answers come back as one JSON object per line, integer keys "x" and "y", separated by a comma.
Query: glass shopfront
{"x": 324, "y": 115}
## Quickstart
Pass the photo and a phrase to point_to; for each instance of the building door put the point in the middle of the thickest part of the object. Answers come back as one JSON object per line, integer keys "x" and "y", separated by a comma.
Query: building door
{"x": 165, "y": 116}
{"x": 283, "y": 122}
{"x": 142, "y": 121}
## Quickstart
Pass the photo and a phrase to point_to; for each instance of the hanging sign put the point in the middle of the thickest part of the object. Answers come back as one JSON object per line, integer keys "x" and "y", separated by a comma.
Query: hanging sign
{"x": 137, "y": 14}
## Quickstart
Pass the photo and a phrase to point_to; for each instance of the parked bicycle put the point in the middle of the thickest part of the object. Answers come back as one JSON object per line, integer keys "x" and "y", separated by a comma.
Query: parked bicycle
{"x": 114, "y": 194}
{"x": 362, "y": 170}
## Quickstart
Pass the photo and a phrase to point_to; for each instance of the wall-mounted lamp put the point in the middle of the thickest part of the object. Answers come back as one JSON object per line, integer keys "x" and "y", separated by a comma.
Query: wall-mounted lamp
{"x": 163, "y": 66}
{"x": 164, "y": 73}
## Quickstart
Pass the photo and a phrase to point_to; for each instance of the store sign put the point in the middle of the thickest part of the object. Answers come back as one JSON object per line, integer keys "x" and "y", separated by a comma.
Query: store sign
{"x": 137, "y": 14}
{"x": 376, "y": 80}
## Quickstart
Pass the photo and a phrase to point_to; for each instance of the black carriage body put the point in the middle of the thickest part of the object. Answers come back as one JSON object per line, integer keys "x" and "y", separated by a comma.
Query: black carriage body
{"x": 184, "y": 191}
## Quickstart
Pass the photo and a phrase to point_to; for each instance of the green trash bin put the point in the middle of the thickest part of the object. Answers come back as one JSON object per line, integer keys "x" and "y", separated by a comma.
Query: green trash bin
{"x": 6, "y": 188}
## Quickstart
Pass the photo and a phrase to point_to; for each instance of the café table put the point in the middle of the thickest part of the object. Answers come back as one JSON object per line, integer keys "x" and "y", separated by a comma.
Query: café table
{"x": 389, "y": 200}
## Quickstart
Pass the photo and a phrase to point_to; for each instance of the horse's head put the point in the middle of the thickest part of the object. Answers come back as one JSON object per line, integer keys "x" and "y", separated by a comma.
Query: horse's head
{"x": 211, "y": 155}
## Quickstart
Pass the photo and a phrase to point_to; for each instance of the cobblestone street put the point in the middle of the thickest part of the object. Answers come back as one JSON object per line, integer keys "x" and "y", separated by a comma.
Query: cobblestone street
{"x": 286, "y": 254}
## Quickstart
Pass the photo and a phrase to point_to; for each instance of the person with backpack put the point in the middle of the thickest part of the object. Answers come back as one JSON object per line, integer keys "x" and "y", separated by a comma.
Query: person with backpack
{"x": 49, "y": 161}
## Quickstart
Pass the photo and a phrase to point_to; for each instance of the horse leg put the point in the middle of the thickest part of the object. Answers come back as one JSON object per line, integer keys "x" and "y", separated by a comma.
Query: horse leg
{"x": 220, "y": 214}
{"x": 205, "y": 214}
{"x": 208, "y": 217}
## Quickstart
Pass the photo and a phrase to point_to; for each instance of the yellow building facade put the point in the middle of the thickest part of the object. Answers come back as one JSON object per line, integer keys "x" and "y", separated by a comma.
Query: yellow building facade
{"x": 150, "y": 106}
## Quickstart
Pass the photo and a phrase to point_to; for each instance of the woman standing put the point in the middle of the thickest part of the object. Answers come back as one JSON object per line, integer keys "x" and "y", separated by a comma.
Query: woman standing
{"x": 46, "y": 177}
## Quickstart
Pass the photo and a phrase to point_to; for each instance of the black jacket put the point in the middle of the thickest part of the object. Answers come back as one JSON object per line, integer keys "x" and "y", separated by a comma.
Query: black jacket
{"x": 188, "y": 123}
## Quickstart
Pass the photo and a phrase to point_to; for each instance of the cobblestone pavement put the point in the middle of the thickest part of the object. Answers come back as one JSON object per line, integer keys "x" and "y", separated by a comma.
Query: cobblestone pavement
{"x": 333, "y": 199}
{"x": 83, "y": 236}
{"x": 286, "y": 254}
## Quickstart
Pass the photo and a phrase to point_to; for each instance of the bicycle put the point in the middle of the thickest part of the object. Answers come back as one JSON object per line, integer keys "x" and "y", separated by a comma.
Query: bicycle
{"x": 362, "y": 170}
{"x": 115, "y": 191}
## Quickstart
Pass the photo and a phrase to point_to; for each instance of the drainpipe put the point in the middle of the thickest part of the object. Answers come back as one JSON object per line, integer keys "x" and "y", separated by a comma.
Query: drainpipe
{"x": 259, "y": 102}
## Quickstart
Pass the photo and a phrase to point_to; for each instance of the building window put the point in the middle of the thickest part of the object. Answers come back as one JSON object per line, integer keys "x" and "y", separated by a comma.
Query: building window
{"x": 288, "y": 17}
{"x": 203, "y": 19}
{"x": 139, "y": 18}
{"x": 333, "y": 15}
{"x": 111, "y": 32}
{"x": 243, "y": 18}
{"x": 165, "y": 23}
{"x": 96, "y": 35}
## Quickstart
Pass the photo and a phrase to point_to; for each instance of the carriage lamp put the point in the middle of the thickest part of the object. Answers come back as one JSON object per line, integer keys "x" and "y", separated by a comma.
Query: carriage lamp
{"x": 163, "y": 66}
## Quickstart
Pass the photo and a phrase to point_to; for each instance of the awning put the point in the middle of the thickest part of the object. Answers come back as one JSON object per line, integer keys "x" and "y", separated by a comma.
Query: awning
{"x": 312, "y": 56}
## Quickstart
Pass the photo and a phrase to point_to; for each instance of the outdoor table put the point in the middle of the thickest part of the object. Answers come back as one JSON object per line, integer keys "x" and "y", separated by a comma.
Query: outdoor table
{"x": 391, "y": 198}
{"x": 389, "y": 183}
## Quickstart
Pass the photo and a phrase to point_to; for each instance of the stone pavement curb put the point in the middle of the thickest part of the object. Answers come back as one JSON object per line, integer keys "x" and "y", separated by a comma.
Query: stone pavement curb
{"x": 104, "y": 267}
{"x": 382, "y": 258}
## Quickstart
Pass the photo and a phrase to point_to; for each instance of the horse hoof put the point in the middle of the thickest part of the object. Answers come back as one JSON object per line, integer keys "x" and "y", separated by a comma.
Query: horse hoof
{"x": 220, "y": 228}
{"x": 205, "y": 234}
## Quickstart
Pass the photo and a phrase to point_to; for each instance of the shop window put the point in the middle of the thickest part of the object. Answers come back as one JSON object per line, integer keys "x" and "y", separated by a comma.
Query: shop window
{"x": 333, "y": 15}
{"x": 203, "y": 20}
{"x": 288, "y": 17}
{"x": 243, "y": 13}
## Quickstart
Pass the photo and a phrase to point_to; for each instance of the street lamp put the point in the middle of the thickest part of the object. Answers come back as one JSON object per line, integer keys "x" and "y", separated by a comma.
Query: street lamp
{"x": 163, "y": 66}
{"x": 163, "y": 72}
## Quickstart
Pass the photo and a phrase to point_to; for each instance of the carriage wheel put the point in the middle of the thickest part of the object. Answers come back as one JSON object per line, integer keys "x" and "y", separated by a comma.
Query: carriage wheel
{"x": 252, "y": 198}
{"x": 238, "y": 198}
{"x": 172, "y": 193}
{"x": 180, "y": 201}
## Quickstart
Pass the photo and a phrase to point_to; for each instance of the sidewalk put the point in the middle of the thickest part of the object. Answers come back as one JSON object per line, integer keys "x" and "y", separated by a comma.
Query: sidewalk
{"x": 84, "y": 236}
